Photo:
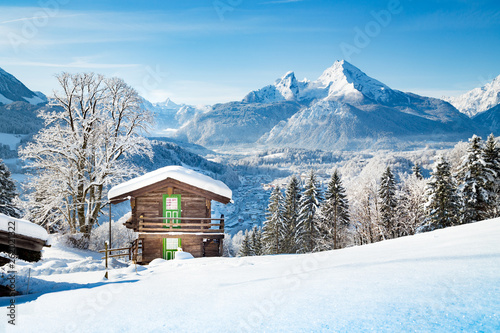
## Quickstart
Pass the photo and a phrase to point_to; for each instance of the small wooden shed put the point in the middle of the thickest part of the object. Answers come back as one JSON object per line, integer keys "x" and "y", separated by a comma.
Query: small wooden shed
{"x": 21, "y": 237}
{"x": 171, "y": 211}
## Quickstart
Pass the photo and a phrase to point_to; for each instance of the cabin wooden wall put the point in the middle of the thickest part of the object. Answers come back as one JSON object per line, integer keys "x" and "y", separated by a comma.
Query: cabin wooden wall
{"x": 150, "y": 204}
{"x": 194, "y": 244}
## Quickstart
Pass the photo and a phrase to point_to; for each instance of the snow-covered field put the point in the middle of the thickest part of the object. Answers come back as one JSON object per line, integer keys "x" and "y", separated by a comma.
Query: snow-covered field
{"x": 442, "y": 281}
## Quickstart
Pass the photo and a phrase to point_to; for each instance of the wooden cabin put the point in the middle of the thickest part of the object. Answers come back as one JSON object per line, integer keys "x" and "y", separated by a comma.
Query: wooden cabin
{"x": 171, "y": 211}
{"x": 22, "y": 238}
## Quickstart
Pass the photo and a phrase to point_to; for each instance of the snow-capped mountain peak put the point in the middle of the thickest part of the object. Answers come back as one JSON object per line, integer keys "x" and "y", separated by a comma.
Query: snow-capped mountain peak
{"x": 479, "y": 99}
{"x": 168, "y": 104}
{"x": 347, "y": 81}
{"x": 288, "y": 86}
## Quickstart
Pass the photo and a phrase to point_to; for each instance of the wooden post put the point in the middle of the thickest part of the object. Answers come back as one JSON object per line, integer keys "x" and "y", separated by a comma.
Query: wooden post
{"x": 109, "y": 203}
{"x": 106, "y": 258}
{"x": 221, "y": 241}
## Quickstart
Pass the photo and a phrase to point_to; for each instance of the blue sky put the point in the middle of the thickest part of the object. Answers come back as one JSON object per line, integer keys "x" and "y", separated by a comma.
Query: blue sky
{"x": 203, "y": 52}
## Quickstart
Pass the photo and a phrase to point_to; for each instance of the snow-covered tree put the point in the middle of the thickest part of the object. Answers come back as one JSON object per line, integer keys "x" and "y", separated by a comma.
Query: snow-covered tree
{"x": 417, "y": 171}
{"x": 274, "y": 228}
{"x": 232, "y": 244}
{"x": 491, "y": 157}
{"x": 442, "y": 202}
{"x": 94, "y": 125}
{"x": 388, "y": 202}
{"x": 472, "y": 178}
{"x": 363, "y": 204}
{"x": 257, "y": 246}
{"x": 122, "y": 236}
{"x": 307, "y": 224}
{"x": 411, "y": 201}
{"x": 333, "y": 214}
{"x": 246, "y": 246}
{"x": 7, "y": 192}
{"x": 292, "y": 197}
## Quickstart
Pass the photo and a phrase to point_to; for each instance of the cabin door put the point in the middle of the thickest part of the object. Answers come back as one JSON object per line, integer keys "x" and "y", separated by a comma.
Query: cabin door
{"x": 170, "y": 246}
{"x": 171, "y": 209}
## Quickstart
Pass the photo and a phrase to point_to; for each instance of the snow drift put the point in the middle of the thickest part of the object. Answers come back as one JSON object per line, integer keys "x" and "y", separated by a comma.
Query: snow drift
{"x": 446, "y": 280}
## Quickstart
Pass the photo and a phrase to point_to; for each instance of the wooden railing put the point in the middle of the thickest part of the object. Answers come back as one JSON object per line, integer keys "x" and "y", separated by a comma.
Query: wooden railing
{"x": 132, "y": 253}
{"x": 184, "y": 224}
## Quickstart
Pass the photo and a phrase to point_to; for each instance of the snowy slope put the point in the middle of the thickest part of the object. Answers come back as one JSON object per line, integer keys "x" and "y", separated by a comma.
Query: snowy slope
{"x": 332, "y": 125}
{"x": 442, "y": 281}
{"x": 479, "y": 99}
{"x": 490, "y": 119}
{"x": 11, "y": 90}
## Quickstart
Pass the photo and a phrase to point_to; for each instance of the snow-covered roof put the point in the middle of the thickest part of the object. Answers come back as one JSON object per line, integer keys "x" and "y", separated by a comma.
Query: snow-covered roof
{"x": 179, "y": 173}
{"x": 23, "y": 227}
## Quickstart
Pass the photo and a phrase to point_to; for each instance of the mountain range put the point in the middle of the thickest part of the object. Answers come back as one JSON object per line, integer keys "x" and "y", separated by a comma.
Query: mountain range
{"x": 479, "y": 99}
{"x": 342, "y": 109}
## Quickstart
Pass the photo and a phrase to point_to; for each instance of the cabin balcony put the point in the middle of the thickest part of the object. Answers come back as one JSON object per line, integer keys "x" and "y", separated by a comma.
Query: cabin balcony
{"x": 182, "y": 225}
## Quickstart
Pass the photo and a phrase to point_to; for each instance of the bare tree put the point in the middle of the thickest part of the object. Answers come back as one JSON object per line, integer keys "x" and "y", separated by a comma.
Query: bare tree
{"x": 94, "y": 124}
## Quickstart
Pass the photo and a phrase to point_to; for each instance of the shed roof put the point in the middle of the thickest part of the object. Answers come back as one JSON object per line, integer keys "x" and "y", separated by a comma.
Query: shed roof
{"x": 177, "y": 173}
{"x": 23, "y": 227}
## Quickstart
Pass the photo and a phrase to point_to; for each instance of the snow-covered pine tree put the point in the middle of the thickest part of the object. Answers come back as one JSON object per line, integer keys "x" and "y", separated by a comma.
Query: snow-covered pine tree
{"x": 334, "y": 214}
{"x": 7, "y": 192}
{"x": 292, "y": 198}
{"x": 274, "y": 230}
{"x": 257, "y": 247}
{"x": 417, "y": 171}
{"x": 442, "y": 202}
{"x": 472, "y": 178}
{"x": 388, "y": 203}
{"x": 246, "y": 246}
{"x": 307, "y": 224}
{"x": 491, "y": 157}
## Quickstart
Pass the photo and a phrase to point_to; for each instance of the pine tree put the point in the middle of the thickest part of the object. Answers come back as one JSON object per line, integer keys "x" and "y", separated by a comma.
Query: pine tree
{"x": 472, "y": 179}
{"x": 7, "y": 192}
{"x": 292, "y": 198}
{"x": 246, "y": 246}
{"x": 491, "y": 157}
{"x": 307, "y": 228}
{"x": 441, "y": 206}
{"x": 257, "y": 247}
{"x": 274, "y": 227}
{"x": 388, "y": 202}
{"x": 334, "y": 213}
{"x": 417, "y": 171}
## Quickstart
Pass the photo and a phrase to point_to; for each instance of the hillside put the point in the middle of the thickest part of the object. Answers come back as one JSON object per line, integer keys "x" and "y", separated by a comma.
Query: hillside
{"x": 13, "y": 90}
{"x": 445, "y": 280}
{"x": 491, "y": 120}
